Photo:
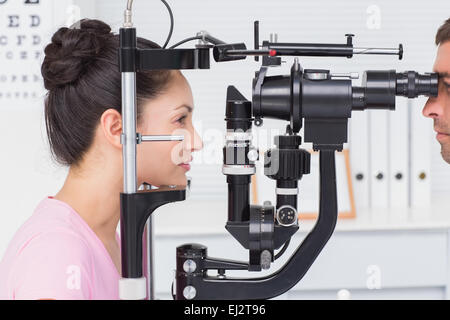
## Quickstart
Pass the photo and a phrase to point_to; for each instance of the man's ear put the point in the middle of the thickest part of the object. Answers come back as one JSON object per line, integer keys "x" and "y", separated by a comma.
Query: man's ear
{"x": 111, "y": 125}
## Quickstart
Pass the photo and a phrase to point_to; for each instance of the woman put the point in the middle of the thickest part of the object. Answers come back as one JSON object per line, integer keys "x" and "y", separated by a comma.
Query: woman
{"x": 69, "y": 248}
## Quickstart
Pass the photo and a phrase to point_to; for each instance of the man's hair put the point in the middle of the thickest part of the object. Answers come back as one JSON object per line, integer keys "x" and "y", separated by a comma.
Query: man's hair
{"x": 443, "y": 34}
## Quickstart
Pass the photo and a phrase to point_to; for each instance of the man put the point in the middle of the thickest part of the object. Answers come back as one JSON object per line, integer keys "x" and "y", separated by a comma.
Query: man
{"x": 438, "y": 108}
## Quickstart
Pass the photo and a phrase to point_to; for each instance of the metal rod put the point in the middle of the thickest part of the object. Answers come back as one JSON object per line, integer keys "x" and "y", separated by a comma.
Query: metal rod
{"x": 150, "y": 261}
{"x": 393, "y": 51}
{"x": 162, "y": 138}
{"x": 247, "y": 52}
{"x": 147, "y": 252}
{"x": 129, "y": 131}
{"x": 206, "y": 37}
{"x": 147, "y": 261}
{"x": 351, "y": 75}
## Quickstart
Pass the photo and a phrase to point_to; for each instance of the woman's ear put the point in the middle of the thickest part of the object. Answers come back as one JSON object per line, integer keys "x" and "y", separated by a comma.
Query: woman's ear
{"x": 111, "y": 125}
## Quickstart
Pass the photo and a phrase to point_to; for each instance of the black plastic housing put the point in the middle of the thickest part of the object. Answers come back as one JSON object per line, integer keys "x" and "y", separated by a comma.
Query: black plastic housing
{"x": 127, "y": 49}
{"x": 135, "y": 208}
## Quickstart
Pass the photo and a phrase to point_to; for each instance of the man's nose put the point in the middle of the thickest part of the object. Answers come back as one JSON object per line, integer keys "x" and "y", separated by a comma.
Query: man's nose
{"x": 433, "y": 108}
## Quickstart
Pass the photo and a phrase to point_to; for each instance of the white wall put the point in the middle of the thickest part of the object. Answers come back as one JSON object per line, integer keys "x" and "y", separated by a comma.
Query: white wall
{"x": 26, "y": 170}
{"x": 28, "y": 175}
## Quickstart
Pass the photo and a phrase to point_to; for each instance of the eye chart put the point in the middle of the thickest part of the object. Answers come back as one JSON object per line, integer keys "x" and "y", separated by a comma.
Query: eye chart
{"x": 25, "y": 29}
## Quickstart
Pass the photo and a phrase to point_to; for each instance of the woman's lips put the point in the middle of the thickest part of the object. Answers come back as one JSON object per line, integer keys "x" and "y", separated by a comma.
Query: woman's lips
{"x": 185, "y": 166}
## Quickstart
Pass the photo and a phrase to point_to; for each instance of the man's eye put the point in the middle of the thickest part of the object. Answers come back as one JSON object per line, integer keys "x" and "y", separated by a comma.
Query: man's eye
{"x": 444, "y": 85}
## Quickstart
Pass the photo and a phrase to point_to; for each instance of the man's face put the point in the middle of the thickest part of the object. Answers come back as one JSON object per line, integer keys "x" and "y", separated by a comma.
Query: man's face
{"x": 439, "y": 108}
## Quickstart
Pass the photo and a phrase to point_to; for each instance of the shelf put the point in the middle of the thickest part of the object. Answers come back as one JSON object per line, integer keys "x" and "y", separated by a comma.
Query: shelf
{"x": 209, "y": 218}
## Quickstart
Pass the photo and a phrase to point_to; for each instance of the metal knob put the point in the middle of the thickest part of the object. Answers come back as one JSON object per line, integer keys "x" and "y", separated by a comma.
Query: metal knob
{"x": 286, "y": 216}
{"x": 189, "y": 266}
{"x": 252, "y": 155}
{"x": 189, "y": 292}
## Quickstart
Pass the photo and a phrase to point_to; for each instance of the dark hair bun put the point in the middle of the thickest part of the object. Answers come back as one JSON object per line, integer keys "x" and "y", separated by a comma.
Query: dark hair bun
{"x": 72, "y": 50}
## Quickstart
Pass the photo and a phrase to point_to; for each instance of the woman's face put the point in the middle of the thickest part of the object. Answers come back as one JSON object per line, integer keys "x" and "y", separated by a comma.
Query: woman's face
{"x": 158, "y": 162}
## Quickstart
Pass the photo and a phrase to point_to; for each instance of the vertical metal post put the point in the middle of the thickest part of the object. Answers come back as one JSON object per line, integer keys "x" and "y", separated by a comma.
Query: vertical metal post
{"x": 129, "y": 288}
{"x": 129, "y": 131}
{"x": 148, "y": 254}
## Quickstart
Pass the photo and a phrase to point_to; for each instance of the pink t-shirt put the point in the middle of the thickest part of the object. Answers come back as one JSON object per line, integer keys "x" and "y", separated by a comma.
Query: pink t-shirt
{"x": 56, "y": 255}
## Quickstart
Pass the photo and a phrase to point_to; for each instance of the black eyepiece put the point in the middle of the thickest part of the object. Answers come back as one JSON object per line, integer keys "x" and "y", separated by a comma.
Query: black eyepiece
{"x": 412, "y": 84}
{"x": 379, "y": 88}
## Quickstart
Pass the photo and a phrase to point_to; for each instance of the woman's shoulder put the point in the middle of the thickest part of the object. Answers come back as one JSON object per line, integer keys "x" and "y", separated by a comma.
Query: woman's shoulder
{"x": 48, "y": 247}
{"x": 51, "y": 221}
{"x": 51, "y": 232}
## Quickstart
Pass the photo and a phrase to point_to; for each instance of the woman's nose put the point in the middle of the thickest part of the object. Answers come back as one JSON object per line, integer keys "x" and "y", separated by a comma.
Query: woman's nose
{"x": 197, "y": 143}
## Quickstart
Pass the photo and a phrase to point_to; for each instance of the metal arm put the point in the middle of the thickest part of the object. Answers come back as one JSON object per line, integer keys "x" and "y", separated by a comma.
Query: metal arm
{"x": 292, "y": 272}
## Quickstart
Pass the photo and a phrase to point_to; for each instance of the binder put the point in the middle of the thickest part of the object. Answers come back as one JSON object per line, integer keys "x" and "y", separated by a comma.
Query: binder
{"x": 359, "y": 158}
{"x": 399, "y": 158}
{"x": 420, "y": 154}
{"x": 378, "y": 163}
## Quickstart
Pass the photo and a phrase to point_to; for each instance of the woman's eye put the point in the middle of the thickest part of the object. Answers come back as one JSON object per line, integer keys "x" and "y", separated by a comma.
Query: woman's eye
{"x": 181, "y": 120}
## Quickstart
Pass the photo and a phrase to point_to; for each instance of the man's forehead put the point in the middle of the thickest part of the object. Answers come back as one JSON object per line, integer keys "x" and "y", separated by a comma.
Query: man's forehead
{"x": 442, "y": 63}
